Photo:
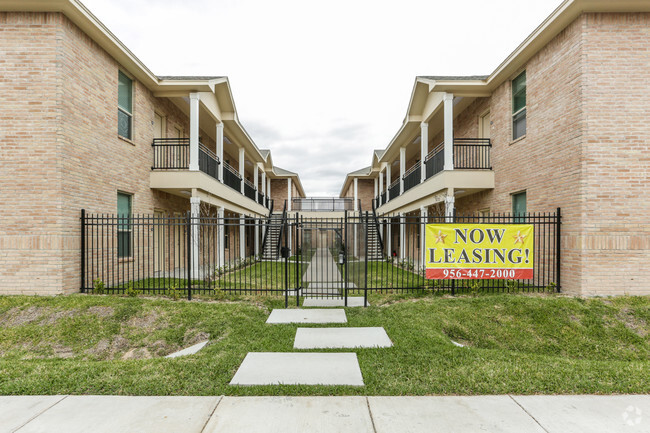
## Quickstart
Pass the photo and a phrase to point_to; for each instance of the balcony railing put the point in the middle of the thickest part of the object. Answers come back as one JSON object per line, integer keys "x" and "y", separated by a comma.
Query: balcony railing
{"x": 249, "y": 189}
{"x": 393, "y": 189}
{"x": 472, "y": 153}
{"x": 382, "y": 198}
{"x": 171, "y": 154}
{"x": 260, "y": 199}
{"x": 174, "y": 154}
{"x": 322, "y": 204}
{"x": 412, "y": 177}
{"x": 231, "y": 177}
{"x": 435, "y": 160}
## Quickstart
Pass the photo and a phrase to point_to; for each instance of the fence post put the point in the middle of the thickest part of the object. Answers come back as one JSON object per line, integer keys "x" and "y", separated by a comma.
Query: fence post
{"x": 345, "y": 258}
{"x": 558, "y": 222}
{"x": 453, "y": 281}
{"x": 365, "y": 287}
{"x": 298, "y": 265}
{"x": 285, "y": 253}
{"x": 83, "y": 251}
{"x": 188, "y": 250}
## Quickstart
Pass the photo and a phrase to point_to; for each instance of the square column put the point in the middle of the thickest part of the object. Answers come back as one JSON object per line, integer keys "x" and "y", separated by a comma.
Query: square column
{"x": 424, "y": 149}
{"x": 257, "y": 237}
{"x": 242, "y": 161}
{"x": 221, "y": 236}
{"x": 381, "y": 186}
{"x": 388, "y": 181}
{"x": 423, "y": 230}
{"x": 402, "y": 168}
{"x": 356, "y": 194}
{"x": 194, "y": 131}
{"x": 242, "y": 236}
{"x": 195, "y": 213}
{"x": 256, "y": 169}
{"x": 449, "y": 205}
{"x": 389, "y": 238}
{"x": 449, "y": 130}
{"x": 268, "y": 188}
{"x": 266, "y": 196}
{"x": 220, "y": 151}
{"x": 402, "y": 236}
{"x": 289, "y": 196}
{"x": 376, "y": 190}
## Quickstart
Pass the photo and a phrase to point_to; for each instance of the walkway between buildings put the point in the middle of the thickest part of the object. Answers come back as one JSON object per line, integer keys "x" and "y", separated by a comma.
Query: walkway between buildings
{"x": 503, "y": 413}
{"x": 322, "y": 276}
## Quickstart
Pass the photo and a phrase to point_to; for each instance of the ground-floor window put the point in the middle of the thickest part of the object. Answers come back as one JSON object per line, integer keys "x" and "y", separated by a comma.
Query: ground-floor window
{"x": 519, "y": 206}
{"x": 124, "y": 208}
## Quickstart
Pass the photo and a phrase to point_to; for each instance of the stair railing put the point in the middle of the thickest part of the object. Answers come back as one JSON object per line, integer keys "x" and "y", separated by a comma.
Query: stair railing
{"x": 374, "y": 217}
{"x": 268, "y": 226}
{"x": 284, "y": 221}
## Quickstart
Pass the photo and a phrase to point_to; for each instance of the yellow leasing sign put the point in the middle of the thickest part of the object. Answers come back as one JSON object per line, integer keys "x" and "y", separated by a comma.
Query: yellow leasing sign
{"x": 479, "y": 251}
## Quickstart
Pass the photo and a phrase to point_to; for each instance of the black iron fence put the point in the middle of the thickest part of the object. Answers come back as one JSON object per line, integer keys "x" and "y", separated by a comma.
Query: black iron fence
{"x": 393, "y": 190}
{"x": 249, "y": 189}
{"x": 333, "y": 258}
{"x": 472, "y": 153}
{"x": 322, "y": 204}
{"x": 412, "y": 177}
{"x": 435, "y": 161}
{"x": 171, "y": 153}
{"x": 231, "y": 177}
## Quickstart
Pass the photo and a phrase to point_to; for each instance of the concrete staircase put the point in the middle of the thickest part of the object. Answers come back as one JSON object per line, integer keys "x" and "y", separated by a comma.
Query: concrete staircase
{"x": 374, "y": 248}
{"x": 271, "y": 251}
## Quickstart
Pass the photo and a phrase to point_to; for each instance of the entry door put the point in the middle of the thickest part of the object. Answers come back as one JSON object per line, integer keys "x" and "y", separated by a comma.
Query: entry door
{"x": 158, "y": 241}
{"x": 158, "y": 126}
{"x": 484, "y": 126}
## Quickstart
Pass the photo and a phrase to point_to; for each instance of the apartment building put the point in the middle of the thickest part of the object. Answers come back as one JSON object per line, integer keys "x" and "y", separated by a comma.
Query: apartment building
{"x": 86, "y": 125}
{"x": 561, "y": 123}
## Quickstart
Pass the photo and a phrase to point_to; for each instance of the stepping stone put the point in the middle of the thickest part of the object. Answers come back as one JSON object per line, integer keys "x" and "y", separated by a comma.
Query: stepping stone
{"x": 353, "y": 301}
{"x": 264, "y": 368}
{"x": 16, "y": 411}
{"x": 340, "y": 338}
{"x": 312, "y": 315}
{"x": 188, "y": 350}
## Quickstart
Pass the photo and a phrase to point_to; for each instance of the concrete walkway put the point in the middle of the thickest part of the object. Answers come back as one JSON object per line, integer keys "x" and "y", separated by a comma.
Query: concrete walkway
{"x": 323, "y": 277}
{"x": 503, "y": 413}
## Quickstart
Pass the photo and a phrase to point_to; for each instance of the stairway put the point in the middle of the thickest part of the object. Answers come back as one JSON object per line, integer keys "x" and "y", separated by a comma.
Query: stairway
{"x": 271, "y": 251}
{"x": 374, "y": 248}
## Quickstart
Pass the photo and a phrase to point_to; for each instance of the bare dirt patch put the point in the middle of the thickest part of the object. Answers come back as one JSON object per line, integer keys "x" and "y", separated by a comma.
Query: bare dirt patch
{"x": 19, "y": 317}
{"x": 634, "y": 324}
{"x": 101, "y": 311}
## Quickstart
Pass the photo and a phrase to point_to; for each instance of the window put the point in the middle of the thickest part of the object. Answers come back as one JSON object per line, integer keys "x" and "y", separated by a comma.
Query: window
{"x": 519, "y": 206}
{"x": 124, "y": 106}
{"x": 123, "y": 225}
{"x": 519, "y": 106}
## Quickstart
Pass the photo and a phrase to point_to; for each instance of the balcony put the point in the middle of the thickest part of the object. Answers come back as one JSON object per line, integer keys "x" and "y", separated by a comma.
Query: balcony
{"x": 469, "y": 154}
{"x": 171, "y": 173}
{"x": 322, "y": 204}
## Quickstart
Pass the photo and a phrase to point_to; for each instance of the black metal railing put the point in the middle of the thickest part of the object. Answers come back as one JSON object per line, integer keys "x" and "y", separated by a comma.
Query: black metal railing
{"x": 208, "y": 162}
{"x": 231, "y": 177}
{"x": 382, "y": 198}
{"x": 322, "y": 204}
{"x": 249, "y": 189}
{"x": 435, "y": 160}
{"x": 171, "y": 154}
{"x": 260, "y": 198}
{"x": 472, "y": 153}
{"x": 377, "y": 226}
{"x": 412, "y": 177}
{"x": 174, "y": 154}
{"x": 393, "y": 189}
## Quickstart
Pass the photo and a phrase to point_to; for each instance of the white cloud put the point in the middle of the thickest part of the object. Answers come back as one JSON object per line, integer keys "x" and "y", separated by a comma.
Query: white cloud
{"x": 321, "y": 83}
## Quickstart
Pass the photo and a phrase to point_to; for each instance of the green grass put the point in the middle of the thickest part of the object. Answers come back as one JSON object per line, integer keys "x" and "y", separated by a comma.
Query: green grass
{"x": 515, "y": 344}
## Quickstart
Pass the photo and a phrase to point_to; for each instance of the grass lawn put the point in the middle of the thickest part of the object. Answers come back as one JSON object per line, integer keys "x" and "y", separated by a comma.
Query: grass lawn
{"x": 515, "y": 344}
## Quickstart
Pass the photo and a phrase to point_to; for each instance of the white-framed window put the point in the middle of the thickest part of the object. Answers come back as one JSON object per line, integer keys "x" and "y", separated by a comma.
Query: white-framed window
{"x": 519, "y": 106}
{"x": 124, "y": 106}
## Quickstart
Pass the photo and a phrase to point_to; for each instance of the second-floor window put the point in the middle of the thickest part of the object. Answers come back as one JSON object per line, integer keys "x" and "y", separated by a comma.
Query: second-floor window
{"x": 125, "y": 106}
{"x": 519, "y": 106}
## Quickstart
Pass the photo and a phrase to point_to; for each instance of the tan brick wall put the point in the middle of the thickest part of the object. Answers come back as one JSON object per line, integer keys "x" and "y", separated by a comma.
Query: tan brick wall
{"x": 65, "y": 149}
{"x": 585, "y": 150}
{"x": 278, "y": 193}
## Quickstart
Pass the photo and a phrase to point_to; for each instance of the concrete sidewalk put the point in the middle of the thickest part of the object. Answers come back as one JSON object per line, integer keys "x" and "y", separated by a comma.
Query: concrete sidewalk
{"x": 503, "y": 413}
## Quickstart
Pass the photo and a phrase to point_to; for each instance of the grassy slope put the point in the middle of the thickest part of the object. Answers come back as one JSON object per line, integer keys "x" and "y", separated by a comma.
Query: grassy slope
{"x": 517, "y": 344}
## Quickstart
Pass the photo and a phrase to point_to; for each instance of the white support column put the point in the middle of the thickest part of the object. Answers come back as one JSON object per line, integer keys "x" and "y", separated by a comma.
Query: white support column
{"x": 402, "y": 236}
{"x": 449, "y": 130}
{"x": 264, "y": 187}
{"x": 194, "y": 131}
{"x": 356, "y": 194}
{"x": 257, "y": 236}
{"x": 268, "y": 188}
{"x": 402, "y": 168}
{"x": 381, "y": 184}
{"x": 288, "y": 194}
{"x": 220, "y": 150}
{"x": 388, "y": 181}
{"x": 195, "y": 212}
{"x": 376, "y": 182}
{"x": 242, "y": 164}
{"x": 221, "y": 236}
{"x": 423, "y": 230}
{"x": 424, "y": 149}
{"x": 242, "y": 236}
{"x": 449, "y": 205}
{"x": 256, "y": 174}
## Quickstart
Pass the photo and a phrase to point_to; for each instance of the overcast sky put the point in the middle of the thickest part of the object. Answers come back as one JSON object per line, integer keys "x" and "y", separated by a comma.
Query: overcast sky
{"x": 321, "y": 83}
